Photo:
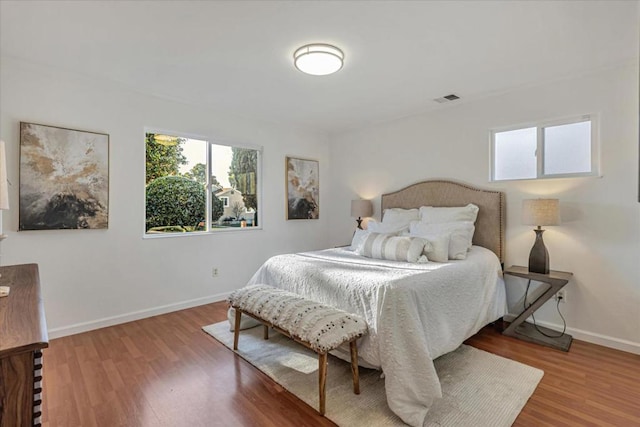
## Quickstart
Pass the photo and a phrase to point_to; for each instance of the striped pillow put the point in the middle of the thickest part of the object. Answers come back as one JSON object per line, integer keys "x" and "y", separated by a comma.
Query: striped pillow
{"x": 394, "y": 248}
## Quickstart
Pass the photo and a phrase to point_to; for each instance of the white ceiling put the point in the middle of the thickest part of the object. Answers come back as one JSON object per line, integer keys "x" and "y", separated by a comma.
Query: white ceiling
{"x": 237, "y": 55}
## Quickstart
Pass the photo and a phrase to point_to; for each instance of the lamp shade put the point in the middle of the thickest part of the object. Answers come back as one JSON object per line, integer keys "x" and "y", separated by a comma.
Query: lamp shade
{"x": 361, "y": 208}
{"x": 4, "y": 189}
{"x": 540, "y": 212}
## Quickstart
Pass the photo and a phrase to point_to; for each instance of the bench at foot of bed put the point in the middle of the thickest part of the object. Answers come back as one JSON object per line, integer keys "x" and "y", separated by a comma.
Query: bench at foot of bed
{"x": 318, "y": 327}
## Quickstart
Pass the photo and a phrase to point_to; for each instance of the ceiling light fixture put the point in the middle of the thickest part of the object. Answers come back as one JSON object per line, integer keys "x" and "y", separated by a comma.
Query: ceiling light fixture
{"x": 318, "y": 59}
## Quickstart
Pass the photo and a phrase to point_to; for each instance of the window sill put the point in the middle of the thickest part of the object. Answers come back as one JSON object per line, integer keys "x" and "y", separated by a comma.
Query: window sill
{"x": 201, "y": 233}
{"x": 540, "y": 178}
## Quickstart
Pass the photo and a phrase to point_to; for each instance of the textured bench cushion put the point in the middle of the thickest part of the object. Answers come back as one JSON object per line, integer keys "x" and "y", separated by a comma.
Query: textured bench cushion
{"x": 322, "y": 327}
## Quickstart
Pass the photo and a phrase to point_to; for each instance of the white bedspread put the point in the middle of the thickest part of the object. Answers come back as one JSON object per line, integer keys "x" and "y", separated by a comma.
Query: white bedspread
{"x": 415, "y": 312}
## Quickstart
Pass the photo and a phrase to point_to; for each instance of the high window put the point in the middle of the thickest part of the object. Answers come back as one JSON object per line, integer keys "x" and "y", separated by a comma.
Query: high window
{"x": 557, "y": 149}
{"x": 196, "y": 186}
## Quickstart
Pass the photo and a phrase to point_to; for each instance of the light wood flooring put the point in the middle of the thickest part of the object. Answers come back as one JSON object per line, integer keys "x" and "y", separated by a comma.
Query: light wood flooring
{"x": 164, "y": 371}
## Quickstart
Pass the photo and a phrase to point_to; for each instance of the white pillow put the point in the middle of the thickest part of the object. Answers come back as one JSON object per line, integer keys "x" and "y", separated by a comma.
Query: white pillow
{"x": 358, "y": 239}
{"x": 399, "y": 216}
{"x": 437, "y": 247}
{"x": 434, "y": 215}
{"x": 390, "y": 228}
{"x": 460, "y": 235}
{"x": 394, "y": 248}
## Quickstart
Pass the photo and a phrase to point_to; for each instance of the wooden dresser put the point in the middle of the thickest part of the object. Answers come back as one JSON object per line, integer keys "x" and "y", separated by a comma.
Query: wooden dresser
{"x": 23, "y": 335}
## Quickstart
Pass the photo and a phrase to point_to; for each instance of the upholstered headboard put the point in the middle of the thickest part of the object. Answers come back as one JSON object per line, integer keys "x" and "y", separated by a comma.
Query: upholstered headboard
{"x": 490, "y": 224}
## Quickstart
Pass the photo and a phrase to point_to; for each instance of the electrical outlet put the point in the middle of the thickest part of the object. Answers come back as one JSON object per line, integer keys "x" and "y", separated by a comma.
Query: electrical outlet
{"x": 214, "y": 272}
{"x": 561, "y": 295}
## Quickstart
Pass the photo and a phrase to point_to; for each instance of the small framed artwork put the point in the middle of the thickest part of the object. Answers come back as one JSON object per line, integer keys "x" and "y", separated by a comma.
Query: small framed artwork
{"x": 64, "y": 178}
{"x": 303, "y": 188}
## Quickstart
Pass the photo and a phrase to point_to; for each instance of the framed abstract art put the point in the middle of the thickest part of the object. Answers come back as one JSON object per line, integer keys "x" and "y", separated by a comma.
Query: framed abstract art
{"x": 64, "y": 178}
{"x": 303, "y": 188}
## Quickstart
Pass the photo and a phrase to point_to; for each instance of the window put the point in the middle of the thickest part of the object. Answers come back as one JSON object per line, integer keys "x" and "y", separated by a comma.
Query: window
{"x": 197, "y": 186}
{"x": 564, "y": 148}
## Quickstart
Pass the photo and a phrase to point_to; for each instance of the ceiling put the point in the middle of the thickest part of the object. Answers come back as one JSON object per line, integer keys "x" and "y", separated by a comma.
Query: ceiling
{"x": 236, "y": 56}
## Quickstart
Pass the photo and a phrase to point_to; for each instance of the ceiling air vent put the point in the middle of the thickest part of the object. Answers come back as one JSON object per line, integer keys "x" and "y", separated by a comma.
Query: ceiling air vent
{"x": 447, "y": 98}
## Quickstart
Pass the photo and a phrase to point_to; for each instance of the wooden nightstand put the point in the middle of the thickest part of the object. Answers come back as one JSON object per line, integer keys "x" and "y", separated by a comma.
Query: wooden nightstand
{"x": 526, "y": 331}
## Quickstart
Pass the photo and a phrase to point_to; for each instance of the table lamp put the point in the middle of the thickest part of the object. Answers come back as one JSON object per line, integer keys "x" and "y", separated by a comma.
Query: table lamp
{"x": 4, "y": 188}
{"x": 4, "y": 196}
{"x": 360, "y": 209}
{"x": 540, "y": 212}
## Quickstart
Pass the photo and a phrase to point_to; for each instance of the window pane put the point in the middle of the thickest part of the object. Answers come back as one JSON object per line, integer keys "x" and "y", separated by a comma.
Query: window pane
{"x": 567, "y": 148}
{"x": 234, "y": 186}
{"x": 175, "y": 178}
{"x": 515, "y": 154}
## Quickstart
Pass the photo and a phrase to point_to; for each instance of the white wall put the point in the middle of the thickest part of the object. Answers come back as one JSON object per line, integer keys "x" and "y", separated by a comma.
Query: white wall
{"x": 92, "y": 278}
{"x": 599, "y": 239}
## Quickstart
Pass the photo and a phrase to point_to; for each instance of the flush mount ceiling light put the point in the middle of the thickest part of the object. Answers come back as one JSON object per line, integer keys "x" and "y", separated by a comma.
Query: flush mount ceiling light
{"x": 318, "y": 59}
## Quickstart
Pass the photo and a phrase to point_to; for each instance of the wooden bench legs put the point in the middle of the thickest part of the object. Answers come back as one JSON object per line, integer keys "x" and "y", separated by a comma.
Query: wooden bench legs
{"x": 236, "y": 329}
{"x": 322, "y": 380}
{"x": 322, "y": 361}
{"x": 354, "y": 367}
{"x": 322, "y": 374}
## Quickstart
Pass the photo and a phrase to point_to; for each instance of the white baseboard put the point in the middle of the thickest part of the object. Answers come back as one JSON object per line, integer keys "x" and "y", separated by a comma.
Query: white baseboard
{"x": 135, "y": 315}
{"x": 591, "y": 337}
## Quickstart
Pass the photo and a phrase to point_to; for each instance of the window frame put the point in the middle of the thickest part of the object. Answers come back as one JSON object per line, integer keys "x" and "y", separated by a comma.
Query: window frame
{"x": 208, "y": 186}
{"x": 540, "y": 147}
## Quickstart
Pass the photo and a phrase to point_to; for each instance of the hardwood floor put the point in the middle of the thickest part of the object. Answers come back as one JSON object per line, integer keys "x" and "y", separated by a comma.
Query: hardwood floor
{"x": 589, "y": 385}
{"x": 164, "y": 371}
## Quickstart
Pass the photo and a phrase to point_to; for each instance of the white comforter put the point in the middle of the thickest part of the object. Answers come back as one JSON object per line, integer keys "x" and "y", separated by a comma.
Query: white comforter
{"x": 415, "y": 312}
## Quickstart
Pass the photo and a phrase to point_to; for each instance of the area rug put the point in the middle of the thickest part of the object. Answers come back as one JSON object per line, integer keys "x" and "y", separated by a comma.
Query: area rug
{"x": 479, "y": 388}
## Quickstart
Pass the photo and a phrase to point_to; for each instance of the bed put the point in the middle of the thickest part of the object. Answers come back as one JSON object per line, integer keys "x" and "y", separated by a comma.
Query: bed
{"x": 415, "y": 312}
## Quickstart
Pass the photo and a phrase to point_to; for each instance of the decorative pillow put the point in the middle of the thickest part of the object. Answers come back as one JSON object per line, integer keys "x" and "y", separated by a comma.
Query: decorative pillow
{"x": 358, "y": 239}
{"x": 460, "y": 235}
{"x": 437, "y": 247}
{"x": 399, "y": 216}
{"x": 391, "y": 228}
{"x": 434, "y": 215}
{"x": 394, "y": 248}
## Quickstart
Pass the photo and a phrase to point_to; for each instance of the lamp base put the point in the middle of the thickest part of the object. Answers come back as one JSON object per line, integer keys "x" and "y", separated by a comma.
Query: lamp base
{"x": 359, "y": 221}
{"x": 539, "y": 257}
